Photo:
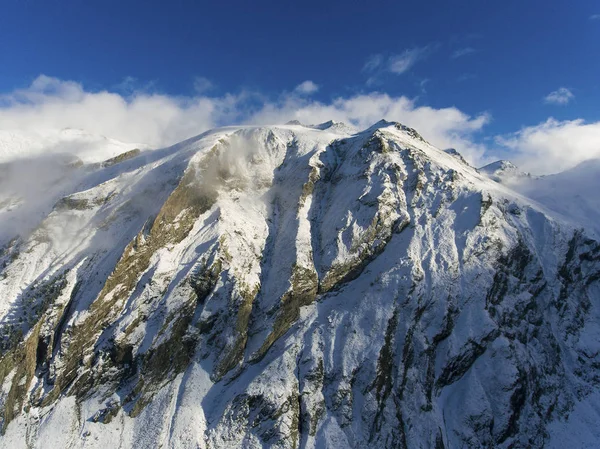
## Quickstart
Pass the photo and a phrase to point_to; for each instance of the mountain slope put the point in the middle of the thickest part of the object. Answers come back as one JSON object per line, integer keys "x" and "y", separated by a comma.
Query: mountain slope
{"x": 297, "y": 286}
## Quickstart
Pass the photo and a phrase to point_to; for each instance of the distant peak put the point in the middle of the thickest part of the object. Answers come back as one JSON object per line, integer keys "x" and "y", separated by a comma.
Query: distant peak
{"x": 328, "y": 124}
{"x": 382, "y": 124}
{"x": 501, "y": 165}
{"x": 503, "y": 171}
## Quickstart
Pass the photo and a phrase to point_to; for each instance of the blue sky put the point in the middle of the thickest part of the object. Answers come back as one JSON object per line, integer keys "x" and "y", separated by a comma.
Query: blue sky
{"x": 518, "y": 62}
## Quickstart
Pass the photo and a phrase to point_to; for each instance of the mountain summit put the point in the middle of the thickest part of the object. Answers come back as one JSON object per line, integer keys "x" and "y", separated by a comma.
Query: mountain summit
{"x": 296, "y": 286}
{"x": 505, "y": 172}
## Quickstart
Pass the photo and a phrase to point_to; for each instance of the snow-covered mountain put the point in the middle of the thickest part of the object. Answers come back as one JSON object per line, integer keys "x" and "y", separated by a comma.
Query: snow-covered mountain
{"x": 296, "y": 286}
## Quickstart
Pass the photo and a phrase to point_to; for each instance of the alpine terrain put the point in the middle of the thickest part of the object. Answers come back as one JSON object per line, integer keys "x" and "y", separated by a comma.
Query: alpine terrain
{"x": 293, "y": 287}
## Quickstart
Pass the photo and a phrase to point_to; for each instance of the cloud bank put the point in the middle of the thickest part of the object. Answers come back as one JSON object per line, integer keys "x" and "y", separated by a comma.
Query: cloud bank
{"x": 160, "y": 120}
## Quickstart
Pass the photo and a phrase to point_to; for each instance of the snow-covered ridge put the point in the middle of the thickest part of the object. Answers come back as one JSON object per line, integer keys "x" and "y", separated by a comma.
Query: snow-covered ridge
{"x": 294, "y": 286}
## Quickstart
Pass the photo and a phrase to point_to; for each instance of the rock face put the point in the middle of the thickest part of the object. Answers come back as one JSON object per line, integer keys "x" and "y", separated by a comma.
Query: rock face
{"x": 292, "y": 287}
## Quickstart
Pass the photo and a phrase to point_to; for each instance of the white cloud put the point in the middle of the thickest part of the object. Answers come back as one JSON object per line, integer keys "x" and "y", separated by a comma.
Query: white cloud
{"x": 560, "y": 96}
{"x": 160, "y": 120}
{"x": 462, "y": 52}
{"x": 306, "y": 88}
{"x": 155, "y": 119}
{"x": 595, "y": 17}
{"x": 553, "y": 145}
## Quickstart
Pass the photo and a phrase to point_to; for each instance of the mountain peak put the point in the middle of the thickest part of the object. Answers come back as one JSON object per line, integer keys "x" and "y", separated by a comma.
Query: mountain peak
{"x": 501, "y": 164}
{"x": 382, "y": 124}
{"x": 328, "y": 124}
{"x": 503, "y": 171}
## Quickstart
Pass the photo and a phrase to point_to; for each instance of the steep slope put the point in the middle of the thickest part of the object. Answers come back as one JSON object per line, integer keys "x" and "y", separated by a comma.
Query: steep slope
{"x": 297, "y": 286}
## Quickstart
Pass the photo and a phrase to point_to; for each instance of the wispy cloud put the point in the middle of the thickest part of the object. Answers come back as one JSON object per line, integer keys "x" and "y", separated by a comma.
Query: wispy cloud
{"x": 202, "y": 84}
{"x": 377, "y": 65}
{"x": 306, "y": 88}
{"x": 403, "y": 62}
{"x": 560, "y": 96}
{"x": 595, "y": 17}
{"x": 462, "y": 52}
{"x": 373, "y": 62}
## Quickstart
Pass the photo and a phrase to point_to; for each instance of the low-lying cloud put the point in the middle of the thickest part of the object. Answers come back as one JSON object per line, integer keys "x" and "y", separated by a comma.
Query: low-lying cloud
{"x": 159, "y": 120}
{"x": 155, "y": 119}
